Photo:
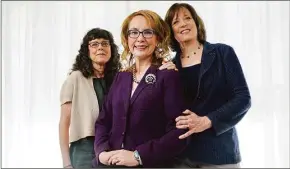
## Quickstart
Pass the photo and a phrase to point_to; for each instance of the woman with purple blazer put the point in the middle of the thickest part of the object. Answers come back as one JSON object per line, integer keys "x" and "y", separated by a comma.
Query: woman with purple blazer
{"x": 136, "y": 126}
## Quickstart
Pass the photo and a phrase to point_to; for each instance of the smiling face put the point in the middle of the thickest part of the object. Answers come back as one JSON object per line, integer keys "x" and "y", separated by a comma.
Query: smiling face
{"x": 142, "y": 40}
{"x": 183, "y": 25}
{"x": 100, "y": 51}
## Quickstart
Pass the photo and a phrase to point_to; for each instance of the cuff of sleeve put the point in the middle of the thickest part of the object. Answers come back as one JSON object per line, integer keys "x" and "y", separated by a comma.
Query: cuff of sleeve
{"x": 142, "y": 154}
{"x": 138, "y": 156}
{"x": 98, "y": 152}
{"x": 212, "y": 117}
{"x": 218, "y": 126}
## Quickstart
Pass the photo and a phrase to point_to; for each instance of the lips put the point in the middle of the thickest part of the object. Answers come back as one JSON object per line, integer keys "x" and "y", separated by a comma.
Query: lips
{"x": 184, "y": 31}
{"x": 140, "y": 47}
{"x": 101, "y": 54}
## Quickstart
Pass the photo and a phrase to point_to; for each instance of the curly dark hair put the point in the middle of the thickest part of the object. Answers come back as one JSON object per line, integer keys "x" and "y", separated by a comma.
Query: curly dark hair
{"x": 84, "y": 64}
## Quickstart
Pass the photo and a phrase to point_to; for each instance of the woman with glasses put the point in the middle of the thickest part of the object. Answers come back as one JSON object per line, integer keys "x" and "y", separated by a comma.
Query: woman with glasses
{"x": 82, "y": 95}
{"x": 136, "y": 126}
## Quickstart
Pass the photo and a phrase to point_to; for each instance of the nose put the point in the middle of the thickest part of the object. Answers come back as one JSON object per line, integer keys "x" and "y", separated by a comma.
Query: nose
{"x": 182, "y": 23}
{"x": 140, "y": 38}
{"x": 100, "y": 47}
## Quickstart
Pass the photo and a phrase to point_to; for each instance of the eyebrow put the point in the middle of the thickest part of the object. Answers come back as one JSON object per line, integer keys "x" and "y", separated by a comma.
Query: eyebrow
{"x": 100, "y": 41}
{"x": 132, "y": 29}
{"x": 138, "y": 29}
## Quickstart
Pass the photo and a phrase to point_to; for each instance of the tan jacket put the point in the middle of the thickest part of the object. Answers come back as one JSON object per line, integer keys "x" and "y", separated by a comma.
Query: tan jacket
{"x": 85, "y": 108}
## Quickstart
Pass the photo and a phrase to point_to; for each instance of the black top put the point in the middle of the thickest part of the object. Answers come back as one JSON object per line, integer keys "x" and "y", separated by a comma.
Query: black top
{"x": 100, "y": 89}
{"x": 189, "y": 76}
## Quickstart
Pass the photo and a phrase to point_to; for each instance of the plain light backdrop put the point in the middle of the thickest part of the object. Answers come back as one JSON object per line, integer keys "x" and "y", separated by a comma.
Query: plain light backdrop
{"x": 40, "y": 41}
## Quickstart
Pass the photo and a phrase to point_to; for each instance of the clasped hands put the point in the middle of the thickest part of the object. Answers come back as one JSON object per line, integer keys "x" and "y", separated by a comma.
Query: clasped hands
{"x": 118, "y": 157}
{"x": 193, "y": 122}
{"x": 189, "y": 120}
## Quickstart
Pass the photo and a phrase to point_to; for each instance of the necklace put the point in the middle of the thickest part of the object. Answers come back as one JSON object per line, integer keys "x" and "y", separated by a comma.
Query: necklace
{"x": 134, "y": 75}
{"x": 194, "y": 52}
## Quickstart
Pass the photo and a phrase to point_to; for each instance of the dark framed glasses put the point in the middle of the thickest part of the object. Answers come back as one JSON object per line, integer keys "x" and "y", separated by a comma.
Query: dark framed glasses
{"x": 96, "y": 44}
{"x": 147, "y": 33}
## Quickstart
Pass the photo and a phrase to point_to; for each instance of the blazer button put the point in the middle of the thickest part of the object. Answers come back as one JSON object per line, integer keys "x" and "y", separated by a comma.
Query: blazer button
{"x": 198, "y": 97}
{"x": 123, "y": 133}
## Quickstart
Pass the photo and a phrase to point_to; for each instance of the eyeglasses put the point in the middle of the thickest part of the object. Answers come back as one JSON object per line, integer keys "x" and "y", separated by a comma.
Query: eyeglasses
{"x": 147, "y": 33}
{"x": 96, "y": 44}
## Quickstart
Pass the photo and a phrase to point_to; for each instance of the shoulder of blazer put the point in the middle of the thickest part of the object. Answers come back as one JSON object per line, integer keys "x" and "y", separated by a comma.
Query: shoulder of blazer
{"x": 168, "y": 75}
{"x": 224, "y": 51}
{"x": 223, "y": 47}
{"x": 216, "y": 45}
{"x": 119, "y": 76}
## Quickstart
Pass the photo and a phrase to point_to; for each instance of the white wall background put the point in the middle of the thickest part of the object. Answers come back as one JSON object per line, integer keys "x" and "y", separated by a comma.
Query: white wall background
{"x": 40, "y": 41}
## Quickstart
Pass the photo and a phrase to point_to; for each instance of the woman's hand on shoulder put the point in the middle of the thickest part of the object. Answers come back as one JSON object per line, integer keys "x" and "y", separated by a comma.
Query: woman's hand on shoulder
{"x": 169, "y": 65}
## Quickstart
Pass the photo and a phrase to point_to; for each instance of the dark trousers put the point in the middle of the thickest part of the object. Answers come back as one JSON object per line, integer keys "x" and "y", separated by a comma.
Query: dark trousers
{"x": 82, "y": 152}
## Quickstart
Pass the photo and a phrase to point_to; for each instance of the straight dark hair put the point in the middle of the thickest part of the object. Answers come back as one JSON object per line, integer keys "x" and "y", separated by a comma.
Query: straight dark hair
{"x": 201, "y": 32}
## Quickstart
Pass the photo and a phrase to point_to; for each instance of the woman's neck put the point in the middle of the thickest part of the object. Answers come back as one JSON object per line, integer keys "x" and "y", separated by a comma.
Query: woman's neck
{"x": 99, "y": 70}
{"x": 189, "y": 46}
{"x": 142, "y": 65}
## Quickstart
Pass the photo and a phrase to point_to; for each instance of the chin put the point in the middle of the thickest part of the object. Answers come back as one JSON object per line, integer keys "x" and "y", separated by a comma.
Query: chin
{"x": 141, "y": 57}
{"x": 186, "y": 38}
{"x": 102, "y": 62}
{"x": 139, "y": 54}
{"x": 143, "y": 54}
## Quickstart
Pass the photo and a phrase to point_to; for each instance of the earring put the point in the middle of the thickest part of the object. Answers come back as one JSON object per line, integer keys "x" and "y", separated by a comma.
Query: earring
{"x": 159, "y": 51}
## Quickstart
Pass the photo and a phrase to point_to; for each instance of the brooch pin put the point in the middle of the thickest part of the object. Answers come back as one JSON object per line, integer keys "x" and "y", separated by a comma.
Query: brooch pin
{"x": 150, "y": 78}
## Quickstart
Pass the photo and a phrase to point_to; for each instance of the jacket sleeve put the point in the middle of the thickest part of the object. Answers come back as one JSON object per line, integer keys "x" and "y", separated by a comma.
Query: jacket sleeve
{"x": 228, "y": 115}
{"x": 103, "y": 125}
{"x": 169, "y": 145}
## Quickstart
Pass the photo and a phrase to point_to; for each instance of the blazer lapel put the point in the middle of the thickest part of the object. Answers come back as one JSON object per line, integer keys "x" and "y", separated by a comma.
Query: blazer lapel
{"x": 208, "y": 56}
{"x": 127, "y": 88}
{"x": 142, "y": 85}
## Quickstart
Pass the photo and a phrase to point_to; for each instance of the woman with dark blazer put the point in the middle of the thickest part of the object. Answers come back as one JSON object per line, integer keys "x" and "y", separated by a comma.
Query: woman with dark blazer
{"x": 216, "y": 92}
{"x": 136, "y": 126}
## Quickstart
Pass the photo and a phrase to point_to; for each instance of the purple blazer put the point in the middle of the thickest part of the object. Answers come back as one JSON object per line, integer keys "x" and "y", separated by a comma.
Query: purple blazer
{"x": 144, "y": 122}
